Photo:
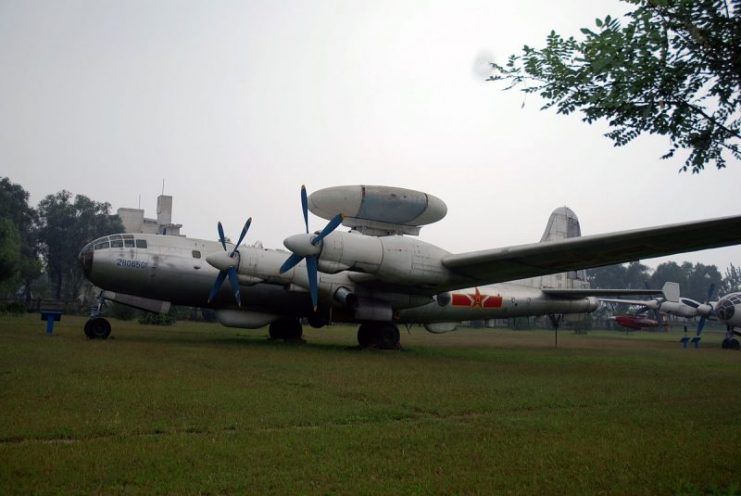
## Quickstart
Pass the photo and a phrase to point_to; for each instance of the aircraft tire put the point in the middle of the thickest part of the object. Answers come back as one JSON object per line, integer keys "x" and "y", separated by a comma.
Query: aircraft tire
{"x": 388, "y": 337}
{"x": 286, "y": 329}
{"x": 365, "y": 336}
{"x": 294, "y": 330}
{"x": 381, "y": 335}
{"x": 733, "y": 344}
{"x": 97, "y": 328}
{"x": 275, "y": 330}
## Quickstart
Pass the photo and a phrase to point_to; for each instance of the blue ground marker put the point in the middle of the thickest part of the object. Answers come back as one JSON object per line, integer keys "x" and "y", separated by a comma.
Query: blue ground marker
{"x": 50, "y": 317}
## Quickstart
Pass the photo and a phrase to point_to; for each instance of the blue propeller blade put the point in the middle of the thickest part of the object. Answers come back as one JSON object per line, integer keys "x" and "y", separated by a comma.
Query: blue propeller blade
{"x": 312, "y": 262}
{"x": 217, "y": 285}
{"x": 311, "y": 270}
{"x": 331, "y": 226}
{"x": 290, "y": 263}
{"x": 241, "y": 236}
{"x": 701, "y": 324}
{"x": 305, "y": 207}
{"x": 234, "y": 282}
{"x": 221, "y": 235}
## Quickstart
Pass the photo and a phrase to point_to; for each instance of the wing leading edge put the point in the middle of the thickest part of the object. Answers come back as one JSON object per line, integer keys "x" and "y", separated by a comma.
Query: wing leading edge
{"x": 549, "y": 257}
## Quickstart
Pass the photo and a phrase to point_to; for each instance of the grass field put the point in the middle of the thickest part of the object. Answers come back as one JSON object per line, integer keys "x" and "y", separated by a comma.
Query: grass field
{"x": 201, "y": 409}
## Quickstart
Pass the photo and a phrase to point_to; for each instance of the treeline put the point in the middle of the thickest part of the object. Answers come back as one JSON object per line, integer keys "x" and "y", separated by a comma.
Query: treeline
{"x": 39, "y": 246}
{"x": 694, "y": 280}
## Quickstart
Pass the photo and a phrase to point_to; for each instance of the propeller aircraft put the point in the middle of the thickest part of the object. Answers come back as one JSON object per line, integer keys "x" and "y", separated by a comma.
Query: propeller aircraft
{"x": 723, "y": 310}
{"x": 378, "y": 274}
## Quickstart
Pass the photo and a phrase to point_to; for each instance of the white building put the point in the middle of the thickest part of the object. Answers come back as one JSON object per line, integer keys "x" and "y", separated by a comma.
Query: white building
{"x": 134, "y": 221}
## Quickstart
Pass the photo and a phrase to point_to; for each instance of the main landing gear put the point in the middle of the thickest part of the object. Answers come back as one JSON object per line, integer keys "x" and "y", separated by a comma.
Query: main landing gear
{"x": 382, "y": 335}
{"x": 730, "y": 342}
{"x": 287, "y": 329}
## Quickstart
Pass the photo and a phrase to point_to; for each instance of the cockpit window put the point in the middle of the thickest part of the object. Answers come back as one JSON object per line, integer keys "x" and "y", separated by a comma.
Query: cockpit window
{"x": 127, "y": 236}
{"x": 141, "y": 243}
{"x": 116, "y": 243}
{"x": 129, "y": 243}
{"x": 115, "y": 236}
{"x": 102, "y": 245}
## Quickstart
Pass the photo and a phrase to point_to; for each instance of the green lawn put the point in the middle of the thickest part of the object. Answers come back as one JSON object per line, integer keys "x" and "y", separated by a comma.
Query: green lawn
{"x": 201, "y": 409}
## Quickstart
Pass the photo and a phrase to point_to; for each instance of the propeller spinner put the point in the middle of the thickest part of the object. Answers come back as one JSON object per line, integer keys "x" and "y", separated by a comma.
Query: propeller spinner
{"x": 227, "y": 264}
{"x": 308, "y": 246}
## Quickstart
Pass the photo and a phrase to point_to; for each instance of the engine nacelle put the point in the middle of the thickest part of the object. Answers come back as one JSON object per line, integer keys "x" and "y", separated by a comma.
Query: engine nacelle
{"x": 677, "y": 308}
{"x": 364, "y": 308}
{"x": 245, "y": 318}
{"x": 392, "y": 258}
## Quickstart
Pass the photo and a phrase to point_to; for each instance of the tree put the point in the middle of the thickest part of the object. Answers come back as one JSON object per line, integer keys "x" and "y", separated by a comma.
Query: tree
{"x": 732, "y": 281}
{"x": 669, "y": 272}
{"x": 699, "y": 279}
{"x": 630, "y": 276}
{"x": 674, "y": 69}
{"x": 15, "y": 209}
{"x": 65, "y": 228}
{"x": 10, "y": 249}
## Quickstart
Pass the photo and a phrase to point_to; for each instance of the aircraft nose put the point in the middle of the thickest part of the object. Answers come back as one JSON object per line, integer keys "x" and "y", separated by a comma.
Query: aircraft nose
{"x": 85, "y": 259}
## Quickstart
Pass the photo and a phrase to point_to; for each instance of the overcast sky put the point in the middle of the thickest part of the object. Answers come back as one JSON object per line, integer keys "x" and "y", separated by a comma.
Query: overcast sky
{"x": 236, "y": 104}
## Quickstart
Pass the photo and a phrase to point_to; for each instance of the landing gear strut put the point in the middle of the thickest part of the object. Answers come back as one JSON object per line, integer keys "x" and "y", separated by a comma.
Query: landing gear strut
{"x": 555, "y": 322}
{"x": 382, "y": 335}
{"x": 97, "y": 327}
{"x": 287, "y": 329}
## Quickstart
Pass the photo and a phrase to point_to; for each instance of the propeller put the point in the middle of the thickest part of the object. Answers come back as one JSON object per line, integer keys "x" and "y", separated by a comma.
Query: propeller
{"x": 308, "y": 246}
{"x": 227, "y": 264}
{"x": 705, "y": 310}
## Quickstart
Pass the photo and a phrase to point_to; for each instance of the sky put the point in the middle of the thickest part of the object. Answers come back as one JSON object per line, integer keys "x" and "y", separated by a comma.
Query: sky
{"x": 235, "y": 105}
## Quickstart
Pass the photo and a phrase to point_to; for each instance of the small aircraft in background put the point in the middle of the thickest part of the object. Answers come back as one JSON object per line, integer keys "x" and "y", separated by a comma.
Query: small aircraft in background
{"x": 635, "y": 322}
{"x": 377, "y": 274}
{"x": 723, "y": 310}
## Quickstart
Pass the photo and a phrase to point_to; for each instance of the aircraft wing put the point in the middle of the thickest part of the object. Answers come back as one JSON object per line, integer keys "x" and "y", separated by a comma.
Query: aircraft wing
{"x": 530, "y": 260}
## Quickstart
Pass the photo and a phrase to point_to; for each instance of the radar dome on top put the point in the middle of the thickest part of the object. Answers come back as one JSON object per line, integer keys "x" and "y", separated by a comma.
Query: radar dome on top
{"x": 378, "y": 210}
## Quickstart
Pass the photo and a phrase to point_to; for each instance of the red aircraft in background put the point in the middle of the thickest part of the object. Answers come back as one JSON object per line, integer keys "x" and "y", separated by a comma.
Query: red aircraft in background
{"x": 635, "y": 322}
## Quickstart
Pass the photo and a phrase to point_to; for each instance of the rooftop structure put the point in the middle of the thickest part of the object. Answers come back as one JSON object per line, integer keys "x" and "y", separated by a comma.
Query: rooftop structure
{"x": 134, "y": 221}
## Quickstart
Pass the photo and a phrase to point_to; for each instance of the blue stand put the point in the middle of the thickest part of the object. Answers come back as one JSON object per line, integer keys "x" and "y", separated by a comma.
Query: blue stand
{"x": 50, "y": 317}
{"x": 684, "y": 341}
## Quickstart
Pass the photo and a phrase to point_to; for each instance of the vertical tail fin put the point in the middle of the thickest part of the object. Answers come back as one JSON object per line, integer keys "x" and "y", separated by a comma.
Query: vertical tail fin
{"x": 562, "y": 224}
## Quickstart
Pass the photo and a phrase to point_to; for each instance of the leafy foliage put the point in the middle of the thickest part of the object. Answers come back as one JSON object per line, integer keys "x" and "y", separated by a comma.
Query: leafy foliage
{"x": 694, "y": 280}
{"x": 14, "y": 209}
{"x": 732, "y": 280}
{"x": 65, "y": 227}
{"x": 10, "y": 249}
{"x": 673, "y": 69}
